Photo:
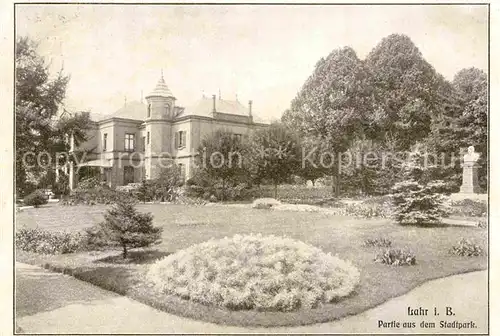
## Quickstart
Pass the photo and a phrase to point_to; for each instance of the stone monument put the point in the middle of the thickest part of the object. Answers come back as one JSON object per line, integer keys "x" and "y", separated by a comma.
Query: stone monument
{"x": 470, "y": 182}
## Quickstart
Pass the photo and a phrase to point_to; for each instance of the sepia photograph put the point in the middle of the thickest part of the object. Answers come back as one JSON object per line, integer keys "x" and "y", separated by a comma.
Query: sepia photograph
{"x": 251, "y": 168}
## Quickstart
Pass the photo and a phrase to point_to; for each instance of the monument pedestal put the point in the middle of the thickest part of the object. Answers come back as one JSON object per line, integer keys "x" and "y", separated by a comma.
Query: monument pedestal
{"x": 470, "y": 181}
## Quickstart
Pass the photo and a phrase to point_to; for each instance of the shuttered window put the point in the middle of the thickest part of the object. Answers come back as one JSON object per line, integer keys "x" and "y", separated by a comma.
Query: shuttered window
{"x": 180, "y": 139}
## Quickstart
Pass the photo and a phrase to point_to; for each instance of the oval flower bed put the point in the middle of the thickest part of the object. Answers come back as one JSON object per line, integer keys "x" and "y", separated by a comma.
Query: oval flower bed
{"x": 254, "y": 272}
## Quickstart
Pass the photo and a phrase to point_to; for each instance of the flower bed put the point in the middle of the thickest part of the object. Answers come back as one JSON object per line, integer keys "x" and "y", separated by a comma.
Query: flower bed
{"x": 254, "y": 272}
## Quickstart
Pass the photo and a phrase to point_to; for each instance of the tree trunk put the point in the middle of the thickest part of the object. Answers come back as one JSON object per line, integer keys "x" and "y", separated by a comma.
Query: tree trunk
{"x": 223, "y": 190}
{"x": 275, "y": 190}
{"x": 337, "y": 188}
{"x": 124, "y": 251}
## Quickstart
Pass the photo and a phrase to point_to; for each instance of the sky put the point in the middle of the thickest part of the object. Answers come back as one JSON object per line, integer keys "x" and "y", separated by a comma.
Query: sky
{"x": 116, "y": 53}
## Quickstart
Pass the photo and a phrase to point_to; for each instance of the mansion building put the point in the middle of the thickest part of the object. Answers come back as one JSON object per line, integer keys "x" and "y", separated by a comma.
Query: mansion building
{"x": 127, "y": 146}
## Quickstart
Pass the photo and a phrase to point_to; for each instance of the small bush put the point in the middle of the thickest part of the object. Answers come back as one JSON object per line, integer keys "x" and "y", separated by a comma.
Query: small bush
{"x": 61, "y": 187}
{"x": 230, "y": 192}
{"x": 265, "y": 203}
{"x": 254, "y": 272}
{"x": 466, "y": 248}
{"x": 89, "y": 183}
{"x": 161, "y": 189}
{"x": 483, "y": 224}
{"x": 36, "y": 198}
{"x": 100, "y": 194}
{"x": 377, "y": 242}
{"x": 48, "y": 242}
{"x": 397, "y": 257}
{"x": 373, "y": 210}
{"x": 469, "y": 208}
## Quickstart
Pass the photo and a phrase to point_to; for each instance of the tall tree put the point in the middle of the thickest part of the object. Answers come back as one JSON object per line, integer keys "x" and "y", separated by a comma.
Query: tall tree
{"x": 462, "y": 123}
{"x": 275, "y": 155}
{"x": 315, "y": 159}
{"x": 221, "y": 157}
{"x": 406, "y": 89}
{"x": 472, "y": 87}
{"x": 335, "y": 103}
{"x": 38, "y": 99}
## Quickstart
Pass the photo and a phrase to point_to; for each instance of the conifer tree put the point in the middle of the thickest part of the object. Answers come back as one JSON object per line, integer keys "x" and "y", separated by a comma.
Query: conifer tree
{"x": 418, "y": 199}
{"x": 124, "y": 226}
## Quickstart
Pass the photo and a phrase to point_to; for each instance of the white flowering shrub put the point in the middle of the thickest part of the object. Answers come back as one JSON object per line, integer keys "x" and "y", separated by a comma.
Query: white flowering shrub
{"x": 254, "y": 272}
{"x": 265, "y": 203}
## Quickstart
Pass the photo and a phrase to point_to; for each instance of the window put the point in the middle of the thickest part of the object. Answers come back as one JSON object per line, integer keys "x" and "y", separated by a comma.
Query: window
{"x": 180, "y": 139}
{"x": 147, "y": 141}
{"x": 105, "y": 142}
{"x": 149, "y": 110}
{"x": 144, "y": 143}
{"x": 129, "y": 142}
{"x": 237, "y": 136}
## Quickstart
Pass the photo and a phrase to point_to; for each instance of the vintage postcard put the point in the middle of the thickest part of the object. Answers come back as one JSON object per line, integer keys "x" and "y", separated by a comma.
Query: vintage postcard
{"x": 251, "y": 168}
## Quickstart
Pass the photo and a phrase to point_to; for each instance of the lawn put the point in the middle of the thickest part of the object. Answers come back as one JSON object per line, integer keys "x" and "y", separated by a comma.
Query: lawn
{"x": 186, "y": 225}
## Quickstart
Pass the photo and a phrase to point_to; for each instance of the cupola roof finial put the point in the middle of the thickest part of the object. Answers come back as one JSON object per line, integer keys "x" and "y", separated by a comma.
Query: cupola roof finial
{"x": 161, "y": 89}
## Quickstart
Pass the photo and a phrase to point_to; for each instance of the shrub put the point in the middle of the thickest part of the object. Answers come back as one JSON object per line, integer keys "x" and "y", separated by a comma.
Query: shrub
{"x": 265, "y": 203}
{"x": 254, "y": 272}
{"x": 466, "y": 248}
{"x": 373, "y": 210}
{"x": 61, "y": 187}
{"x": 48, "y": 242}
{"x": 124, "y": 226}
{"x": 36, "y": 198}
{"x": 164, "y": 188}
{"x": 396, "y": 257}
{"x": 89, "y": 183}
{"x": 100, "y": 194}
{"x": 229, "y": 192}
{"x": 483, "y": 224}
{"x": 377, "y": 242}
{"x": 469, "y": 208}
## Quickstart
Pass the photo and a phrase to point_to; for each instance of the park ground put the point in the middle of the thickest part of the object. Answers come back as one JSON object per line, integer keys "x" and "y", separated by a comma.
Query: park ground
{"x": 185, "y": 225}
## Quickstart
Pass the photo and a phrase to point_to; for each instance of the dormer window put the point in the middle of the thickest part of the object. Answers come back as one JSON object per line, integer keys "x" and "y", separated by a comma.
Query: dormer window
{"x": 149, "y": 110}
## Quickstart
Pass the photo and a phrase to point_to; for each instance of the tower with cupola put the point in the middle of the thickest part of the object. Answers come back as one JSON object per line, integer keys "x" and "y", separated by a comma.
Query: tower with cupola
{"x": 158, "y": 127}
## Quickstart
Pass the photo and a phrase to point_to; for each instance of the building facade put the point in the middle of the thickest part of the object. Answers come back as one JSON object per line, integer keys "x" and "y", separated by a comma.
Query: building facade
{"x": 137, "y": 140}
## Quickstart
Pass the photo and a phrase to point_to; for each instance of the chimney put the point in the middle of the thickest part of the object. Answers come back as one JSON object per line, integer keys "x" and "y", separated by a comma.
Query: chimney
{"x": 213, "y": 100}
{"x": 250, "y": 108}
